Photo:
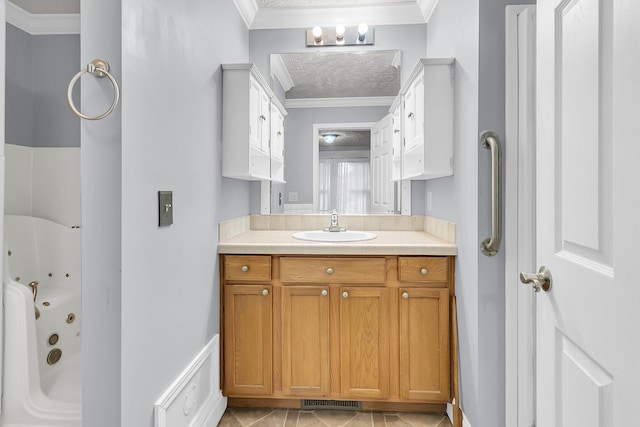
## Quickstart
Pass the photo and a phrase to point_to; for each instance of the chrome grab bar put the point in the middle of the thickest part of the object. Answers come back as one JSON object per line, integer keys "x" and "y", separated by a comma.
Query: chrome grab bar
{"x": 97, "y": 68}
{"x": 490, "y": 141}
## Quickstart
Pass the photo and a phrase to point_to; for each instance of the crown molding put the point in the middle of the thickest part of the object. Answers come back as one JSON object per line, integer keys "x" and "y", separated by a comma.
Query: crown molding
{"x": 279, "y": 71}
{"x": 42, "y": 24}
{"x": 248, "y": 10}
{"x": 427, "y": 7}
{"x": 368, "y": 101}
{"x": 378, "y": 14}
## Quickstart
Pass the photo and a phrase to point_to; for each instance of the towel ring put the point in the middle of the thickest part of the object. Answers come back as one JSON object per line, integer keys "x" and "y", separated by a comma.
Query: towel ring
{"x": 97, "y": 68}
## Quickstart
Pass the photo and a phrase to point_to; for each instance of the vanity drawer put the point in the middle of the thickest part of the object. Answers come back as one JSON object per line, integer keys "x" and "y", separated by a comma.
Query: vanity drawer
{"x": 250, "y": 268}
{"x": 332, "y": 270}
{"x": 423, "y": 269}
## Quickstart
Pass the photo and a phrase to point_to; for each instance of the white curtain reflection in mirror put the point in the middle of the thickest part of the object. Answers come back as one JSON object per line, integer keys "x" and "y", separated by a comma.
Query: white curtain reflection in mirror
{"x": 344, "y": 185}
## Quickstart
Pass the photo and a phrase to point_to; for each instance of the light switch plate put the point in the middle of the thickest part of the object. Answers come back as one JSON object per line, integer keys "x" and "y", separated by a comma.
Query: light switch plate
{"x": 165, "y": 208}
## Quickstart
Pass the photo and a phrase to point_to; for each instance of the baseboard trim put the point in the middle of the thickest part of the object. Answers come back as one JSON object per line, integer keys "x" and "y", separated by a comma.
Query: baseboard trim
{"x": 194, "y": 399}
{"x": 465, "y": 423}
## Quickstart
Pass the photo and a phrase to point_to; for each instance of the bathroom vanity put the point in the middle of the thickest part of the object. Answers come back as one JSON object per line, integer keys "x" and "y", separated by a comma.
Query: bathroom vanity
{"x": 362, "y": 321}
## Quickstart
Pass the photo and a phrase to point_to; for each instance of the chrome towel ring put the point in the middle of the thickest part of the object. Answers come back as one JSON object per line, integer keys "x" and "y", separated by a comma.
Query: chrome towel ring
{"x": 97, "y": 68}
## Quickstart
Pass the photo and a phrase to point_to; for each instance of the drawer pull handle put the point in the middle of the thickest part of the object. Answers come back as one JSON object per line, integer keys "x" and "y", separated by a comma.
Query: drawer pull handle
{"x": 324, "y": 293}
{"x": 405, "y": 295}
{"x": 424, "y": 271}
{"x": 345, "y": 294}
{"x": 265, "y": 292}
{"x": 245, "y": 268}
{"x": 329, "y": 271}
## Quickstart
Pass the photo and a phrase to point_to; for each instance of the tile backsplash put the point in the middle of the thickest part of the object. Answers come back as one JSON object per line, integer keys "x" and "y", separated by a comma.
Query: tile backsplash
{"x": 442, "y": 229}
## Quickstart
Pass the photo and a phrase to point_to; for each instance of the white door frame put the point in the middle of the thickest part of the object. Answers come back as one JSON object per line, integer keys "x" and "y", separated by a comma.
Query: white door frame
{"x": 317, "y": 127}
{"x": 3, "y": 60}
{"x": 520, "y": 221}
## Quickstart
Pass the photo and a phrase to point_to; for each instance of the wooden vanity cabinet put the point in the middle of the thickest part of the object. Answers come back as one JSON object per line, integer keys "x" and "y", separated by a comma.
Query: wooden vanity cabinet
{"x": 369, "y": 328}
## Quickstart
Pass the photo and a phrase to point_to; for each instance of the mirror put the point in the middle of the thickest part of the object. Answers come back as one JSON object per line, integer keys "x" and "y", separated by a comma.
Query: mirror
{"x": 345, "y": 93}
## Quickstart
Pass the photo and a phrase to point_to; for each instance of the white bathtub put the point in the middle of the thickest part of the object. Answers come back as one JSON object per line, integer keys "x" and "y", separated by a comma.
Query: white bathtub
{"x": 38, "y": 392}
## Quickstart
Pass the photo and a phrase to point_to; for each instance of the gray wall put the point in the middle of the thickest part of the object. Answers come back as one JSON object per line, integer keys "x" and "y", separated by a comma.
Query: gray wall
{"x": 150, "y": 295}
{"x": 101, "y": 176}
{"x": 453, "y": 32}
{"x": 473, "y": 32}
{"x": 38, "y": 71}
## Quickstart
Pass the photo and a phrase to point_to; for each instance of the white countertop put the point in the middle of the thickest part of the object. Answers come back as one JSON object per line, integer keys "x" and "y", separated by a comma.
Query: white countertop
{"x": 386, "y": 243}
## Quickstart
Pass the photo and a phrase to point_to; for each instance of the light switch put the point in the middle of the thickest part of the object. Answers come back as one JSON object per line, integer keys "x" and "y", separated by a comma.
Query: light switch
{"x": 165, "y": 208}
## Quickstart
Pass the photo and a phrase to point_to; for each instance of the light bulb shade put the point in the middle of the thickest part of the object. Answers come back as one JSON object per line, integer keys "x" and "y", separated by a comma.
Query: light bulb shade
{"x": 317, "y": 33}
{"x": 362, "y": 31}
{"x": 329, "y": 138}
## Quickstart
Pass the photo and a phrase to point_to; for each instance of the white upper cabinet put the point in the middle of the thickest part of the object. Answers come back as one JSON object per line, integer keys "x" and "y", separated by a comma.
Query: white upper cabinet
{"x": 251, "y": 117}
{"x": 427, "y": 120}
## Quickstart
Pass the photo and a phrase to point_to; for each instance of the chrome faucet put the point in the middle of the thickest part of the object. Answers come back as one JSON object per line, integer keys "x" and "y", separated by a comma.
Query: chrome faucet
{"x": 334, "y": 227}
{"x": 34, "y": 290}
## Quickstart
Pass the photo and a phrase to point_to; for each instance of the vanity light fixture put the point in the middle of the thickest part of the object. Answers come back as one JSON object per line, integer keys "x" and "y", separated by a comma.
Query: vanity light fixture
{"x": 340, "y": 35}
{"x": 329, "y": 138}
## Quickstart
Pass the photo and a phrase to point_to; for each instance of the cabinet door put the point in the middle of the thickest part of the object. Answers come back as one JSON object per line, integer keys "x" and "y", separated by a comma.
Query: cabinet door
{"x": 247, "y": 339}
{"x": 265, "y": 128}
{"x": 255, "y": 120}
{"x": 414, "y": 114}
{"x": 364, "y": 353}
{"x": 277, "y": 143}
{"x": 424, "y": 344}
{"x": 277, "y": 133}
{"x": 382, "y": 188}
{"x": 397, "y": 143}
{"x": 305, "y": 338}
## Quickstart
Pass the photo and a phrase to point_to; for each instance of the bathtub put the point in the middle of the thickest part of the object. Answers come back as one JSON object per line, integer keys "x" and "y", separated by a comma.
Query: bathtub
{"x": 42, "y": 382}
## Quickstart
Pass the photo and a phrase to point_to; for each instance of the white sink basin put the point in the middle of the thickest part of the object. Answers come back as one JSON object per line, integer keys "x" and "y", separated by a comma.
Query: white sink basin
{"x": 341, "y": 236}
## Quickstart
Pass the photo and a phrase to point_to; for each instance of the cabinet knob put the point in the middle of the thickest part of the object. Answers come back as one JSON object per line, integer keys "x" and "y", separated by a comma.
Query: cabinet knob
{"x": 345, "y": 294}
{"x": 265, "y": 292}
{"x": 329, "y": 271}
{"x": 410, "y": 115}
{"x": 405, "y": 295}
{"x": 324, "y": 293}
{"x": 245, "y": 268}
{"x": 424, "y": 271}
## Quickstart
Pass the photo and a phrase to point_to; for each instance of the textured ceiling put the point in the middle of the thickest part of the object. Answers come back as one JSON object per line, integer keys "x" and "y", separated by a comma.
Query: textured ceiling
{"x": 322, "y": 3}
{"x": 48, "y": 6}
{"x": 347, "y": 139}
{"x": 343, "y": 74}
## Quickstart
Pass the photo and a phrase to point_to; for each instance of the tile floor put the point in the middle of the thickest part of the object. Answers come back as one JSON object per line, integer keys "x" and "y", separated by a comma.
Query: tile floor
{"x": 267, "y": 417}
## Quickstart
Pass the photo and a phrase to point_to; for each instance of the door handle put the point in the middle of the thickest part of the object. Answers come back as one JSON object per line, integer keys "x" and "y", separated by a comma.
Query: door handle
{"x": 539, "y": 280}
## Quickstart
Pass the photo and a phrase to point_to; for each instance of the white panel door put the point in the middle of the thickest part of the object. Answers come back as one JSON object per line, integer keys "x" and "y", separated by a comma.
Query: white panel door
{"x": 588, "y": 346}
{"x": 382, "y": 188}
